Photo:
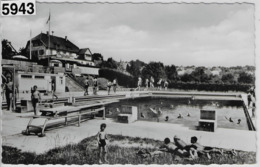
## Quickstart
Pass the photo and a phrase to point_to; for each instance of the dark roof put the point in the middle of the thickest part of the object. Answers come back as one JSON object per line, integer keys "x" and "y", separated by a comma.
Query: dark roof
{"x": 57, "y": 43}
{"x": 82, "y": 51}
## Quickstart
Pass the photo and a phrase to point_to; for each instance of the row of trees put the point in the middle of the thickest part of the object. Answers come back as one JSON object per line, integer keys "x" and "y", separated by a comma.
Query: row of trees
{"x": 228, "y": 75}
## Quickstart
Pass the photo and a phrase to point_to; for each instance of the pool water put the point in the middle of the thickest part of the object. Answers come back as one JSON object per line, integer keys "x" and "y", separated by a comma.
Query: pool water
{"x": 172, "y": 108}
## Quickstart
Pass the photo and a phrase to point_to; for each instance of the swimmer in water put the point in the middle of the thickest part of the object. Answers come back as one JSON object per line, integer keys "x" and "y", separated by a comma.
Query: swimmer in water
{"x": 166, "y": 118}
{"x": 238, "y": 121}
{"x": 188, "y": 115}
{"x": 180, "y": 116}
{"x": 159, "y": 111}
{"x": 230, "y": 120}
{"x": 142, "y": 115}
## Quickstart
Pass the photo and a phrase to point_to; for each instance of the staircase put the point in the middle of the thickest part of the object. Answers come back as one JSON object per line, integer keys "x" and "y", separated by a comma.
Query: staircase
{"x": 73, "y": 84}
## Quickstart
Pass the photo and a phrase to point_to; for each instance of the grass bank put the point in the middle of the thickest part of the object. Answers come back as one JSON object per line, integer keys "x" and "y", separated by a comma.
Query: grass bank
{"x": 122, "y": 150}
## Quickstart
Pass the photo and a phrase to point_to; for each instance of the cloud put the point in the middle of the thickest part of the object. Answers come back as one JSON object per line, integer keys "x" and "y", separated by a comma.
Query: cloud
{"x": 180, "y": 34}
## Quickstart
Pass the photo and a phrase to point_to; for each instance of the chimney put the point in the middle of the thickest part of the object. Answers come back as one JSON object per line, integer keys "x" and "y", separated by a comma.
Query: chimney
{"x": 66, "y": 38}
{"x": 47, "y": 32}
{"x": 52, "y": 32}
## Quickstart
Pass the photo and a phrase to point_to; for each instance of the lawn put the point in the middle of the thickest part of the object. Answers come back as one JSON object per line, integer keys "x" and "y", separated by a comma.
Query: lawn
{"x": 122, "y": 150}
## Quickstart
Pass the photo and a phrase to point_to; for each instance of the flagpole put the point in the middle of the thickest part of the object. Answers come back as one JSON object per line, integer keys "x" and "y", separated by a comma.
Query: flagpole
{"x": 30, "y": 44}
{"x": 49, "y": 42}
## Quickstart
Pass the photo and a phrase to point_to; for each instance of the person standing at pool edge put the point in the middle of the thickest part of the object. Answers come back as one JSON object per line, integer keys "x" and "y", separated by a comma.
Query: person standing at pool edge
{"x": 101, "y": 138}
{"x": 139, "y": 83}
{"x": 151, "y": 82}
{"x": 147, "y": 83}
{"x": 86, "y": 82}
{"x": 36, "y": 97}
{"x": 109, "y": 84}
{"x": 53, "y": 89}
{"x": 114, "y": 85}
{"x": 95, "y": 84}
{"x": 8, "y": 87}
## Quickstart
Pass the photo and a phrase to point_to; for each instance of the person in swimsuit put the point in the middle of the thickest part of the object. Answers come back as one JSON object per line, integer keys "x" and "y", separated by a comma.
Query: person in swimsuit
{"x": 101, "y": 138}
{"x": 95, "y": 86}
{"x": 36, "y": 97}
{"x": 114, "y": 85}
{"x": 86, "y": 82}
{"x": 151, "y": 82}
{"x": 109, "y": 84}
{"x": 196, "y": 149}
{"x": 8, "y": 87}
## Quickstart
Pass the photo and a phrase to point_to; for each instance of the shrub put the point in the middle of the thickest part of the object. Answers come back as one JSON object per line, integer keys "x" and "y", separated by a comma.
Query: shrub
{"x": 123, "y": 79}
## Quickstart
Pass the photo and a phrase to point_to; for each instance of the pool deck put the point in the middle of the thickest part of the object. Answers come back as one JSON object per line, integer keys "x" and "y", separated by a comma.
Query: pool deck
{"x": 12, "y": 126}
{"x": 223, "y": 138}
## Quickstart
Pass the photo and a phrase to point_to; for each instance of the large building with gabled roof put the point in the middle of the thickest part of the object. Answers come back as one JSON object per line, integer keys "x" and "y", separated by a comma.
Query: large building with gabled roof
{"x": 60, "y": 49}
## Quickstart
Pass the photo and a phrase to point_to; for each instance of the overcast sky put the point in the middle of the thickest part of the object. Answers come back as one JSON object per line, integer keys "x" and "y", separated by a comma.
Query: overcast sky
{"x": 179, "y": 34}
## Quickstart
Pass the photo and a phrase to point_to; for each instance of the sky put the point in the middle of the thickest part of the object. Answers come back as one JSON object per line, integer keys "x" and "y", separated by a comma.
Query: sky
{"x": 179, "y": 34}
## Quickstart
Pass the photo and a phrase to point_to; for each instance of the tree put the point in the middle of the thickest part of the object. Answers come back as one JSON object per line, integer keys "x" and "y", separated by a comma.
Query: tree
{"x": 135, "y": 67}
{"x": 245, "y": 78}
{"x": 22, "y": 51}
{"x": 199, "y": 75}
{"x": 97, "y": 57}
{"x": 186, "y": 78}
{"x": 228, "y": 78}
{"x": 7, "y": 51}
{"x": 155, "y": 69}
{"x": 110, "y": 63}
{"x": 171, "y": 72}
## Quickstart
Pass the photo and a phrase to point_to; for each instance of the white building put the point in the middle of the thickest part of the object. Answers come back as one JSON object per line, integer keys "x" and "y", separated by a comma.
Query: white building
{"x": 25, "y": 81}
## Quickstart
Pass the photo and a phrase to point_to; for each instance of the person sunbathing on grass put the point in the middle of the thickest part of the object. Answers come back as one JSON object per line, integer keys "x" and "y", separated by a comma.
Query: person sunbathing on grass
{"x": 170, "y": 148}
{"x": 166, "y": 147}
{"x": 197, "y": 149}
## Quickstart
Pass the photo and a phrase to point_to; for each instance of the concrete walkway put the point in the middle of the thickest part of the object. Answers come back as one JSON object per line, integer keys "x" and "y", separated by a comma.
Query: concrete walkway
{"x": 223, "y": 138}
{"x": 12, "y": 126}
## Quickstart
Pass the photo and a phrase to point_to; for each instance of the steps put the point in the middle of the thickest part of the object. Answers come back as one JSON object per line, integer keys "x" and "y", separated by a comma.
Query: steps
{"x": 73, "y": 85}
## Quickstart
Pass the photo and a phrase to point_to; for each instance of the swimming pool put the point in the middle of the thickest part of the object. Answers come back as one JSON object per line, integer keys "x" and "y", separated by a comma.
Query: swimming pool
{"x": 230, "y": 114}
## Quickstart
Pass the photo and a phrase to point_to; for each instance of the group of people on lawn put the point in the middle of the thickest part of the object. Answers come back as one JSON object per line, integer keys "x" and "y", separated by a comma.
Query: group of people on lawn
{"x": 179, "y": 147}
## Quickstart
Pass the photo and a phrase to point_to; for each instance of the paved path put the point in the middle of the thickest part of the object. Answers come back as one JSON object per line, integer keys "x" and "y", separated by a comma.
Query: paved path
{"x": 224, "y": 138}
{"x": 12, "y": 127}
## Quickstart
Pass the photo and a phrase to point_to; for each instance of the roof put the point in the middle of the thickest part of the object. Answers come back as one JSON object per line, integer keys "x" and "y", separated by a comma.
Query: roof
{"x": 83, "y": 51}
{"x": 57, "y": 43}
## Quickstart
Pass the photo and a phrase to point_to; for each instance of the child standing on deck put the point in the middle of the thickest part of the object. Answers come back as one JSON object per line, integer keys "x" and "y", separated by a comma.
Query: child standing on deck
{"x": 101, "y": 138}
{"x": 109, "y": 84}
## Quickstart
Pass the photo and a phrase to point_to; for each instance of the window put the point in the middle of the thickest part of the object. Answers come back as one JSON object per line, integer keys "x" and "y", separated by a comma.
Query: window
{"x": 34, "y": 53}
{"x": 26, "y": 76}
{"x": 37, "y": 43}
{"x": 41, "y": 52}
{"x": 61, "y": 80}
{"x": 39, "y": 77}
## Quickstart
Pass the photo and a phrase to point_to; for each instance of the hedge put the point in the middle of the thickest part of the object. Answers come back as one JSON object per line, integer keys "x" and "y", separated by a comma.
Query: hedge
{"x": 130, "y": 82}
{"x": 210, "y": 86}
{"x": 122, "y": 78}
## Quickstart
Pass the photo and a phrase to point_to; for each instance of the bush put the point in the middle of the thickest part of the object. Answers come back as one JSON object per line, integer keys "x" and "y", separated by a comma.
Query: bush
{"x": 122, "y": 78}
{"x": 209, "y": 86}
